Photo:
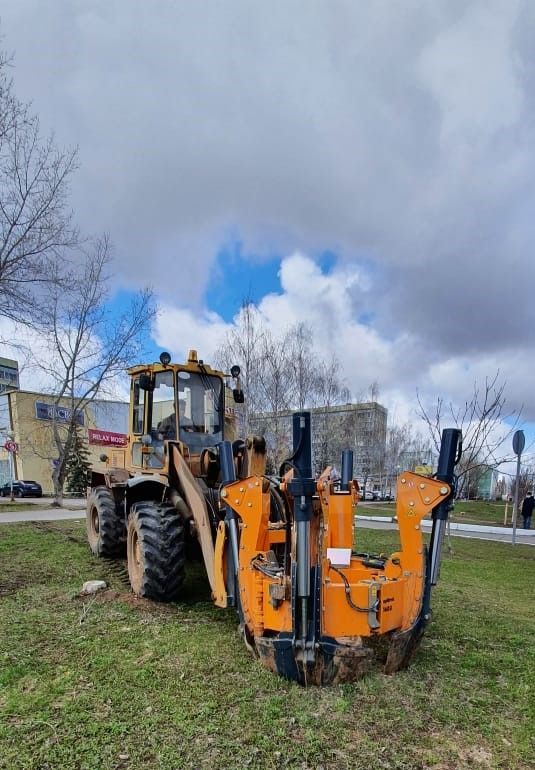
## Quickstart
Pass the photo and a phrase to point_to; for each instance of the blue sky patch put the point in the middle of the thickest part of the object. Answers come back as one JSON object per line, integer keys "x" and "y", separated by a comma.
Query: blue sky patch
{"x": 237, "y": 277}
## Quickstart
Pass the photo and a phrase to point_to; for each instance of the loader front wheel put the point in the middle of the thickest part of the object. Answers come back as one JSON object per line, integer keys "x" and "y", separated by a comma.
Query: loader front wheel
{"x": 155, "y": 551}
{"x": 106, "y": 530}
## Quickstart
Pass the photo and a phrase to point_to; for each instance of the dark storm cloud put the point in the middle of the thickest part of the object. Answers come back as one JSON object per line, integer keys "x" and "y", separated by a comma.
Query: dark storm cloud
{"x": 400, "y": 133}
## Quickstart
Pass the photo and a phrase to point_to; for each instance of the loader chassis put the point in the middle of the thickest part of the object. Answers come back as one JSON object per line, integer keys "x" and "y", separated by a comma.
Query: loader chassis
{"x": 279, "y": 551}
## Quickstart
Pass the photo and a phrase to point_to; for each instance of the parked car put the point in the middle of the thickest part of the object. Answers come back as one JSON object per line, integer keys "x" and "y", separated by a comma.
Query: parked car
{"x": 22, "y": 489}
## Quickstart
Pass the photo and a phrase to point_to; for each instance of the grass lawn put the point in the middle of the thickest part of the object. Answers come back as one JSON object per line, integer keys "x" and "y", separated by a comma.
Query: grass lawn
{"x": 469, "y": 511}
{"x": 118, "y": 683}
{"x": 11, "y": 507}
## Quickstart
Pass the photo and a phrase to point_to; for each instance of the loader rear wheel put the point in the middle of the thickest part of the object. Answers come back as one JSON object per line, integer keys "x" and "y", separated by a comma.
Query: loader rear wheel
{"x": 155, "y": 550}
{"x": 106, "y": 530}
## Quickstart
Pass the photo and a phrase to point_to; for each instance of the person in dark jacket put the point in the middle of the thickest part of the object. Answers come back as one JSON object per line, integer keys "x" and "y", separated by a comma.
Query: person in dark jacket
{"x": 527, "y": 509}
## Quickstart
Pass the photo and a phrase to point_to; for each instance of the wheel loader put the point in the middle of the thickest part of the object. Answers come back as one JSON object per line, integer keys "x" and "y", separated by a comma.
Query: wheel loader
{"x": 283, "y": 552}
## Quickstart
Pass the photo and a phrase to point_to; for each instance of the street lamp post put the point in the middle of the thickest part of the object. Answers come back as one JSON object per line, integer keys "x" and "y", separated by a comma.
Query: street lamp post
{"x": 519, "y": 442}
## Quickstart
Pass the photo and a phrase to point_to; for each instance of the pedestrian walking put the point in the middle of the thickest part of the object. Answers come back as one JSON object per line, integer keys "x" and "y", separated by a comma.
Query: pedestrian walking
{"x": 527, "y": 509}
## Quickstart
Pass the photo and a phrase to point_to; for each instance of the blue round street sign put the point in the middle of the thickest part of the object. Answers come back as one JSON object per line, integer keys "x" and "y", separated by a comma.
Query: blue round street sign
{"x": 519, "y": 442}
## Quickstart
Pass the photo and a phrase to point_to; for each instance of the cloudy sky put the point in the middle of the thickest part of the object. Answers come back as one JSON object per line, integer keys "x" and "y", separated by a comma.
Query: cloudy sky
{"x": 366, "y": 167}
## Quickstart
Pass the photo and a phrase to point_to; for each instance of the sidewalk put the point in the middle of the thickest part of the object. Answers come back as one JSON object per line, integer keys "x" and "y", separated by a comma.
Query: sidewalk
{"x": 42, "y": 511}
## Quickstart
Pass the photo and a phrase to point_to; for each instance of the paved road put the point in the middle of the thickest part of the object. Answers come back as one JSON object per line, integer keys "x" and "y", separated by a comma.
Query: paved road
{"x": 52, "y": 514}
{"x": 73, "y": 509}
{"x": 505, "y": 538}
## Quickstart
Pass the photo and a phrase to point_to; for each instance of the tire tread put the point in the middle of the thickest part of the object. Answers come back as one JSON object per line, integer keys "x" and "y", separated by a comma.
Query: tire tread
{"x": 161, "y": 534}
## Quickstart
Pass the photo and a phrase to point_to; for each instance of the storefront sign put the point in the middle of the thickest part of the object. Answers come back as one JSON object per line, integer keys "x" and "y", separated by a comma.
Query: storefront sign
{"x": 57, "y": 412}
{"x": 107, "y": 438}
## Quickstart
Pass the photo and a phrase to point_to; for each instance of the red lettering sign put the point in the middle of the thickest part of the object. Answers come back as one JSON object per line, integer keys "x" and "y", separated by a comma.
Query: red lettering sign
{"x": 107, "y": 438}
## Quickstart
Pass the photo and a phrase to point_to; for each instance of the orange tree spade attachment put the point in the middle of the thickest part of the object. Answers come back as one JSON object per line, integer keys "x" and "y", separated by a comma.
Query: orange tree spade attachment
{"x": 279, "y": 551}
{"x": 314, "y": 609}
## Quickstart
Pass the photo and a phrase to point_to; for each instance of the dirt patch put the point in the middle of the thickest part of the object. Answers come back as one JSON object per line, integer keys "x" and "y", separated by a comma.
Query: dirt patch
{"x": 45, "y": 526}
{"x": 12, "y": 585}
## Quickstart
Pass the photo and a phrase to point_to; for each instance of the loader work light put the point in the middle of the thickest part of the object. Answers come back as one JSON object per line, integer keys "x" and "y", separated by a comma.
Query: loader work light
{"x": 165, "y": 358}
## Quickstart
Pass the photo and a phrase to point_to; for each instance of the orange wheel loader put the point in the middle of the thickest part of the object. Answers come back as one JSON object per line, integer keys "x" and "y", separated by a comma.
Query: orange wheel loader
{"x": 279, "y": 551}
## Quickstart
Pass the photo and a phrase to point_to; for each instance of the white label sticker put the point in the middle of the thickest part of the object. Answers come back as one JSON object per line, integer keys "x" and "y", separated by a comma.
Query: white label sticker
{"x": 339, "y": 557}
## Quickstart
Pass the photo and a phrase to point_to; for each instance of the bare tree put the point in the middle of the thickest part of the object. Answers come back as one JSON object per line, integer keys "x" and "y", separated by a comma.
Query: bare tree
{"x": 35, "y": 221}
{"x": 88, "y": 347}
{"x": 274, "y": 376}
{"x": 280, "y": 374}
{"x": 302, "y": 367}
{"x": 243, "y": 346}
{"x": 485, "y": 422}
{"x": 525, "y": 482}
{"x": 405, "y": 449}
{"x": 330, "y": 431}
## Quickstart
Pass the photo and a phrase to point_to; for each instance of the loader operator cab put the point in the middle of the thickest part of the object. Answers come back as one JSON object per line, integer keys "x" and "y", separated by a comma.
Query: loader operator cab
{"x": 177, "y": 402}
{"x": 183, "y": 403}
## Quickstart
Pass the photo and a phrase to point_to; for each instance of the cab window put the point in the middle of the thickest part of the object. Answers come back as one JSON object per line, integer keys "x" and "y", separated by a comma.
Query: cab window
{"x": 163, "y": 419}
{"x": 138, "y": 410}
{"x": 200, "y": 409}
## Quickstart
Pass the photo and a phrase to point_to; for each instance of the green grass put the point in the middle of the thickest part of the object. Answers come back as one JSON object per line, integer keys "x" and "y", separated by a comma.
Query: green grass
{"x": 16, "y": 505}
{"x": 469, "y": 511}
{"x": 117, "y": 683}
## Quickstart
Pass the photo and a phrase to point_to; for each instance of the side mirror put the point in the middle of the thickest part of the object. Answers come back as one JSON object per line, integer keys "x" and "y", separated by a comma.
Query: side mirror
{"x": 146, "y": 382}
{"x": 238, "y": 396}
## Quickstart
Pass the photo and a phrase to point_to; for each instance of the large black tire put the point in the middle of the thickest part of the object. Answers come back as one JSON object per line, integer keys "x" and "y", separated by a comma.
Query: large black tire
{"x": 155, "y": 550}
{"x": 106, "y": 529}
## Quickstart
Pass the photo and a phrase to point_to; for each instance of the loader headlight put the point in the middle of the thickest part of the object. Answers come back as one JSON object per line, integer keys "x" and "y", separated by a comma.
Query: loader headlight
{"x": 165, "y": 358}
{"x": 235, "y": 371}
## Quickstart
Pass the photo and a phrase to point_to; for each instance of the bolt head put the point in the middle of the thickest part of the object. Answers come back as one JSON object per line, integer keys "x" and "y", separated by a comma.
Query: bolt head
{"x": 443, "y": 490}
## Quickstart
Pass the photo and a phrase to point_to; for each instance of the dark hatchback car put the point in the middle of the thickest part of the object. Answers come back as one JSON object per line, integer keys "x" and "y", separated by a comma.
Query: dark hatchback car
{"x": 22, "y": 489}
